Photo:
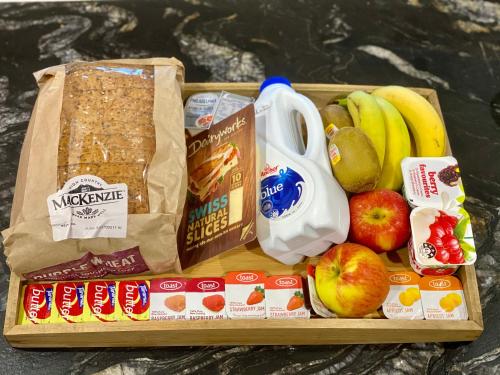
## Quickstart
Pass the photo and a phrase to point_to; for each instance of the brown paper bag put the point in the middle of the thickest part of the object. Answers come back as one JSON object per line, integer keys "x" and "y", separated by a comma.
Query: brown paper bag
{"x": 119, "y": 120}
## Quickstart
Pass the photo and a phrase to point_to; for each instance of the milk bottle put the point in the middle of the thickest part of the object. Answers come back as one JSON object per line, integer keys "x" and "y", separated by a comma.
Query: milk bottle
{"x": 302, "y": 209}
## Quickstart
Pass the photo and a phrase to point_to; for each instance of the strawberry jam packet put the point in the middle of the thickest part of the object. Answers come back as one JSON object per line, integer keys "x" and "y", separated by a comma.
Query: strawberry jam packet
{"x": 285, "y": 298}
{"x": 100, "y": 303}
{"x": 168, "y": 299}
{"x": 36, "y": 306}
{"x": 245, "y": 295}
{"x": 133, "y": 300}
{"x": 205, "y": 299}
{"x": 443, "y": 298}
{"x": 403, "y": 300}
{"x": 69, "y": 298}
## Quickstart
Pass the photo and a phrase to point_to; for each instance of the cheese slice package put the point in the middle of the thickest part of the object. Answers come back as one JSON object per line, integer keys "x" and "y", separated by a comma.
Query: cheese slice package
{"x": 443, "y": 298}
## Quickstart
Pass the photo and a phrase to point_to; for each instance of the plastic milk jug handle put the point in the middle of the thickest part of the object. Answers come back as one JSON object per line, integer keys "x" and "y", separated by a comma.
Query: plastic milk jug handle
{"x": 316, "y": 147}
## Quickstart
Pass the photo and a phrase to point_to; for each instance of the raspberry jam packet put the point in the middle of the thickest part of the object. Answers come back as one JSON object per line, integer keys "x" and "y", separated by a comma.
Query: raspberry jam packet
{"x": 403, "y": 300}
{"x": 245, "y": 295}
{"x": 432, "y": 182}
{"x": 100, "y": 303}
{"x": 133, "y": 300}
{"x": 443, "y": 298}
{"x": 285, "y": 298}
{"x": 36, "y": 305}
{"x": 69, "y": 300}
{"x": 441, "y": 240}
{"x": 205, "y": 299}
{"x": 168, "y": 299}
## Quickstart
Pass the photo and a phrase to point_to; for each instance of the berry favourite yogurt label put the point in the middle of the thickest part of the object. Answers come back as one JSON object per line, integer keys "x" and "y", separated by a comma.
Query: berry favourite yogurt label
{"x": 432, "y": 182}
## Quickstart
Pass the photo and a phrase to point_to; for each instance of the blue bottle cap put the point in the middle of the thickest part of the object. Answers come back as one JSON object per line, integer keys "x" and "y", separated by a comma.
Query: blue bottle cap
{"x": 273, "y": 80}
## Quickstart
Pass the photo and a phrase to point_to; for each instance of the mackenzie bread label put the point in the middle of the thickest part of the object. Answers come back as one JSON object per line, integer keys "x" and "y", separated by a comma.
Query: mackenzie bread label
{"x": 219, "y": 213}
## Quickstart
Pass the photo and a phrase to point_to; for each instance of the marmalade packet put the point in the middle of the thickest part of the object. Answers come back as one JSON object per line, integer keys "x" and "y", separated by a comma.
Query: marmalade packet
{"x": 205, "y": 299}
{"x": 100, "y": 297}
{"x": 245, "y": 295}
{"x": 220, "y": 208}
{"x": 168, "y": 299}
{"x": 133, "y": 300}
{"x": 36, "y": 304}
{"x": 69, "y": 298}
{"x": 443, "y": 298}
{"x": 285, "y": 298}
{"x": 403, "y": 300}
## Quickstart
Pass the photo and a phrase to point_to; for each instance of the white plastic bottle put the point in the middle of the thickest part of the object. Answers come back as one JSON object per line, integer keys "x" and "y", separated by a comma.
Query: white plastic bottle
{"x": 302, "y": 209}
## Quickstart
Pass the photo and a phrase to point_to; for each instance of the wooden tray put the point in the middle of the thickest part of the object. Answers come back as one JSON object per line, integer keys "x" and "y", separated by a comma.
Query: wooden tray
{"x": 267, "y": 332}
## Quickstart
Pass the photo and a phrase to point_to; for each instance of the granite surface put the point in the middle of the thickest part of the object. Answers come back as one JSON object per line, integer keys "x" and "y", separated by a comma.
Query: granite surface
{"x": 450, "y": 45}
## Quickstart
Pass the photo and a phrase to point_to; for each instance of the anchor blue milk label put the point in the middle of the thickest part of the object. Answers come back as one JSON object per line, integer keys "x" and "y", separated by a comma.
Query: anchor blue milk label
{"x": 282, "y": 191}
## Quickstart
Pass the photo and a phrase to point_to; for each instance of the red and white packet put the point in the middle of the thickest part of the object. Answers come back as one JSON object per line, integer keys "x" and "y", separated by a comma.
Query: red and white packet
{"x": 205, "y": 299}
{"x": 168, "y": 299}
{"x": 285, "y": 298}
{"x": 245, "y": 295}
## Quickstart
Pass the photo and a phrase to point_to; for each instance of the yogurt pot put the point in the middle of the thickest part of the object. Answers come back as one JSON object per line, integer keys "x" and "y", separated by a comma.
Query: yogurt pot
{"x": 432, "y": 182}
{"x": 441, "y": 241}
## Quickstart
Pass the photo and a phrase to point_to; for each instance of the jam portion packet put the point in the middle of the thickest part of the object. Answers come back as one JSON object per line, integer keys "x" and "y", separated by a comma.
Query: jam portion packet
{"x": 285, "y": 298}
{"x": 168, "y": 299}
{"x": 403, "y": 300}
{"x": 69, "y": 300}
{"x": 205, "y": 299}
{"x": 245, "y": 295}
{"x": 100, "y": 303}
{"x": 133, "y": 300}
{"x": 36, "y": 305}
{"x": 443, "y": 298}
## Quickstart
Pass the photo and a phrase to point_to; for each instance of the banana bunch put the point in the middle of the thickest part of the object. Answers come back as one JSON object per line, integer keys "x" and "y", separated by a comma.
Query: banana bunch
{"x": 385, "y": 117}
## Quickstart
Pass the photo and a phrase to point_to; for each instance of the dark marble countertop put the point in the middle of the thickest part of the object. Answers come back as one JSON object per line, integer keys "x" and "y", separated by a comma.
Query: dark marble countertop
{"x": 450, "y": 45}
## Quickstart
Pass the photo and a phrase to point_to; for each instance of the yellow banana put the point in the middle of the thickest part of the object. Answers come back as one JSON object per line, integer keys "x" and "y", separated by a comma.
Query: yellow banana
{"x": 422, "y": 119}
{"x": 397, "y": 146}
{"x": 367, "y": 116}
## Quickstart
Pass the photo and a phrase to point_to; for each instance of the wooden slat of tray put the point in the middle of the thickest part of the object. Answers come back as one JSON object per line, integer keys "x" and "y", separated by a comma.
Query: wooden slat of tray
{"x": 232, "y": 332}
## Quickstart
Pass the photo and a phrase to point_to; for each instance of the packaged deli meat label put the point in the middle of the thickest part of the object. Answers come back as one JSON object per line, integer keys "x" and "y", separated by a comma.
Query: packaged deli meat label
{"x": 219, "y": 213}
{"x": 87, "y": 207}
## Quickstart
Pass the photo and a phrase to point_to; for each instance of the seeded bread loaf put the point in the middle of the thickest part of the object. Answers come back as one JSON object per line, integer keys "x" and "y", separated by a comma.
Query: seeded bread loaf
{"x": 107, "y": 127}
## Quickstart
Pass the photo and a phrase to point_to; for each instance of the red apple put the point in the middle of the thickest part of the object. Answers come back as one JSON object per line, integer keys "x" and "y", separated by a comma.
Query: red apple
{"x": 351, "y": 280}
{"x": 380, "y": 219}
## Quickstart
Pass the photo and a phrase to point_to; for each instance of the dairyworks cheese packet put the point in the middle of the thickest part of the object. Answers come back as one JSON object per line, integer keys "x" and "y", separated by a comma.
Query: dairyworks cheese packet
{"x": 133, "y": 300}
{"x": 220, "y": 207}
{"x": 245, "y": 295}
{"x": 205, "y": 299}
{"x": 403, "y": 300}
{"x": 100, "y": 303}
{"x": 432, "y": 182}
{"x": 36, "y": 304}
{"x": 69, "y": 301}
{"x": 285, "y": 298}
{"x": 443, "y": 298}
{"x": 168, "y": 299}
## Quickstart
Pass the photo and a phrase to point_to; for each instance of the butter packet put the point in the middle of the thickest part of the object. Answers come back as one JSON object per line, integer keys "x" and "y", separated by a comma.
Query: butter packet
{"x": 100, "y": 301}
{"x": 443, "y": 298}
{"x": 133, "y": 300}
{"x": 168, "y": 299}
{"x": 403, "y": 300}
{"x": 69, "y": 298}
{"x": 36, "y": 304}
